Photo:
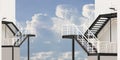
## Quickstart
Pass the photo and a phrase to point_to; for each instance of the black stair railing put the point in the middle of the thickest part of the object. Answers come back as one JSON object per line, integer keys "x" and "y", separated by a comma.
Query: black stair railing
{"x": 100, "y": 22}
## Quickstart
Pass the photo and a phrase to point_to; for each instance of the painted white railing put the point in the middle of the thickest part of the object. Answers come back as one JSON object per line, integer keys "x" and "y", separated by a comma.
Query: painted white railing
{"x": 8, "y": 41}
{"x": 21, "y": 34}
{"x": 101, "y": 46}
{"x": 107, "y": 47}
{"x": 75, "y": 30}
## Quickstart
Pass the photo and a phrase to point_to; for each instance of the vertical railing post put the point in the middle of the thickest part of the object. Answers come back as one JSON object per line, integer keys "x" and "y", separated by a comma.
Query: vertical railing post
{"x": 12, "y": 52}
{"x": 73, "y": 49}
{"x": 28, "y": 49}
{"x": 98, "y": 56}
{"x": 110, "y": 31}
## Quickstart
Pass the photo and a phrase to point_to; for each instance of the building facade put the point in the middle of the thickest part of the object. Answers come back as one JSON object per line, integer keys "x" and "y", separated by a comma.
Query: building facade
{"x": 99, "y": 40}
{"x": 11, "y": 37}
{"x": 7, "y": 10}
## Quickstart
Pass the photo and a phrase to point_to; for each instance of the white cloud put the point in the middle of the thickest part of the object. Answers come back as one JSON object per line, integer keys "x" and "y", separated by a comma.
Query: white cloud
{"x": 41, "y": 55}
{"x": 50, "y": 55}
{"x": 47, "y": 42}
{"x": 38, "y": 21}
{"x": 68, "y": 15}
{"x": 31, "y": 25}
{"x": 68, "y": 56}
{"x": 88, "y": 10}
{"x": 65, "y": 15}
{"x": 58, "y": 25}
{"x": 66, "y": 12}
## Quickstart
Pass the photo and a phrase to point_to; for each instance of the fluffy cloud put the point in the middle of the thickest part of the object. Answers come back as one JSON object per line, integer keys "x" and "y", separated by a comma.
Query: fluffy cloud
{"x": 68, "y": 56}
{"x": 89, "y": 14}
{"x": 38, "y": 21}
{"x": 65, "y": 15}
{"x": 58, "y": 25}
{"x": 66, "y": 12}
{"x": 41, "y": 56}
{"x": 88, "y": 10}
{"x": 68, "y": 15}
{"x": 50, "y": 55}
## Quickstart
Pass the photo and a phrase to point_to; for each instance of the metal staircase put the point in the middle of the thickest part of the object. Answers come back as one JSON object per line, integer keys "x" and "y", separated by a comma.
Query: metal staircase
{"x": 89, "y": 43}
{"x": 13, "y": 37}
{"x": 100, "y": 22}
{"x": 19, "y": 37}
{"x": 88, "y": 40}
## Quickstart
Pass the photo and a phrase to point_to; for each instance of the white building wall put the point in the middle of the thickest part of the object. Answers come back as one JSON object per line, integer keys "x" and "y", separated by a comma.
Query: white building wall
{"x": 104, "y": 34}
{"x": 7, "y": 10}
{"x": 103, "y": 6}
{"x": 7, "y": 36}
{"x": 7, "y": 53}
{"x": 92, "y": 58}
{"x": 118, "y": 28}
{"x": 102, "y": 57}
{"x": 107, "y": 45}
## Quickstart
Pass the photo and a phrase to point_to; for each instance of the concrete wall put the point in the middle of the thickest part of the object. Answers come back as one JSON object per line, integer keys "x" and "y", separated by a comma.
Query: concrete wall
{"x": 104, "y": 34}
{"x": 92, "y": 57}
{"x": 102, "y": 58}
{"x": 103, "y": 6}
{"x": 7, "y": 9}
{"x": 118, "y": 31}
{"x": 7, "y": 36}
{"x": 107, "y": 45}
{"x": 7, "y": 53}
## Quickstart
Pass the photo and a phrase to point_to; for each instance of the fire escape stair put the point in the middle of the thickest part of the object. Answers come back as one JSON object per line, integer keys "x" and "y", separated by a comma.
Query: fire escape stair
{"x": 84, "y": 43}
{"x": 95, "y": 28}
{"x": 17, "y": 33}
{"x": 100, "y": 22}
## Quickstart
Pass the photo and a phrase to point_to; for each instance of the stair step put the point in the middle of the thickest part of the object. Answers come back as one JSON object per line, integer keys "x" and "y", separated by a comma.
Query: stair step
{"x": 95, "y": 28}
{"x": 103, "y": 18}
{"x": 99, "y": 22}
{"x": 97, "y": 25}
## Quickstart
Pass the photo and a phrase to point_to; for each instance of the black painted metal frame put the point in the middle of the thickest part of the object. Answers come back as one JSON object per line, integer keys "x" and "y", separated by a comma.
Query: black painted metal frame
{"x": 109, "y": 16}
{"x": 7, "y": 22}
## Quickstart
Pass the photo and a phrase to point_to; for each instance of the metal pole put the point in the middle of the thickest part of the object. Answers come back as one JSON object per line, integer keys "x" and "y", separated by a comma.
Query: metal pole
{"x": 98, "y": 56}
{"x": 110, "y": 31}
{"x": 73, "y": 49}
{"x": 28, "y": 49}
{"x": 12, "y": 52}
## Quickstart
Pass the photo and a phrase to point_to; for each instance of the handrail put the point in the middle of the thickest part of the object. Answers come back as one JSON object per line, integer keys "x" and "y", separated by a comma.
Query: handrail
{"x": 86, "y": 42}
{"x": 92, "y": 33}
{"x": 18, "y": 34}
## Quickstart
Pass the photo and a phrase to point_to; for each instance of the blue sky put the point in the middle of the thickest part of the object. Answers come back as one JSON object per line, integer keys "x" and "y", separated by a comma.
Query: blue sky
{"x": 44, "y": 18}
{"x": 27, "y": 8}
